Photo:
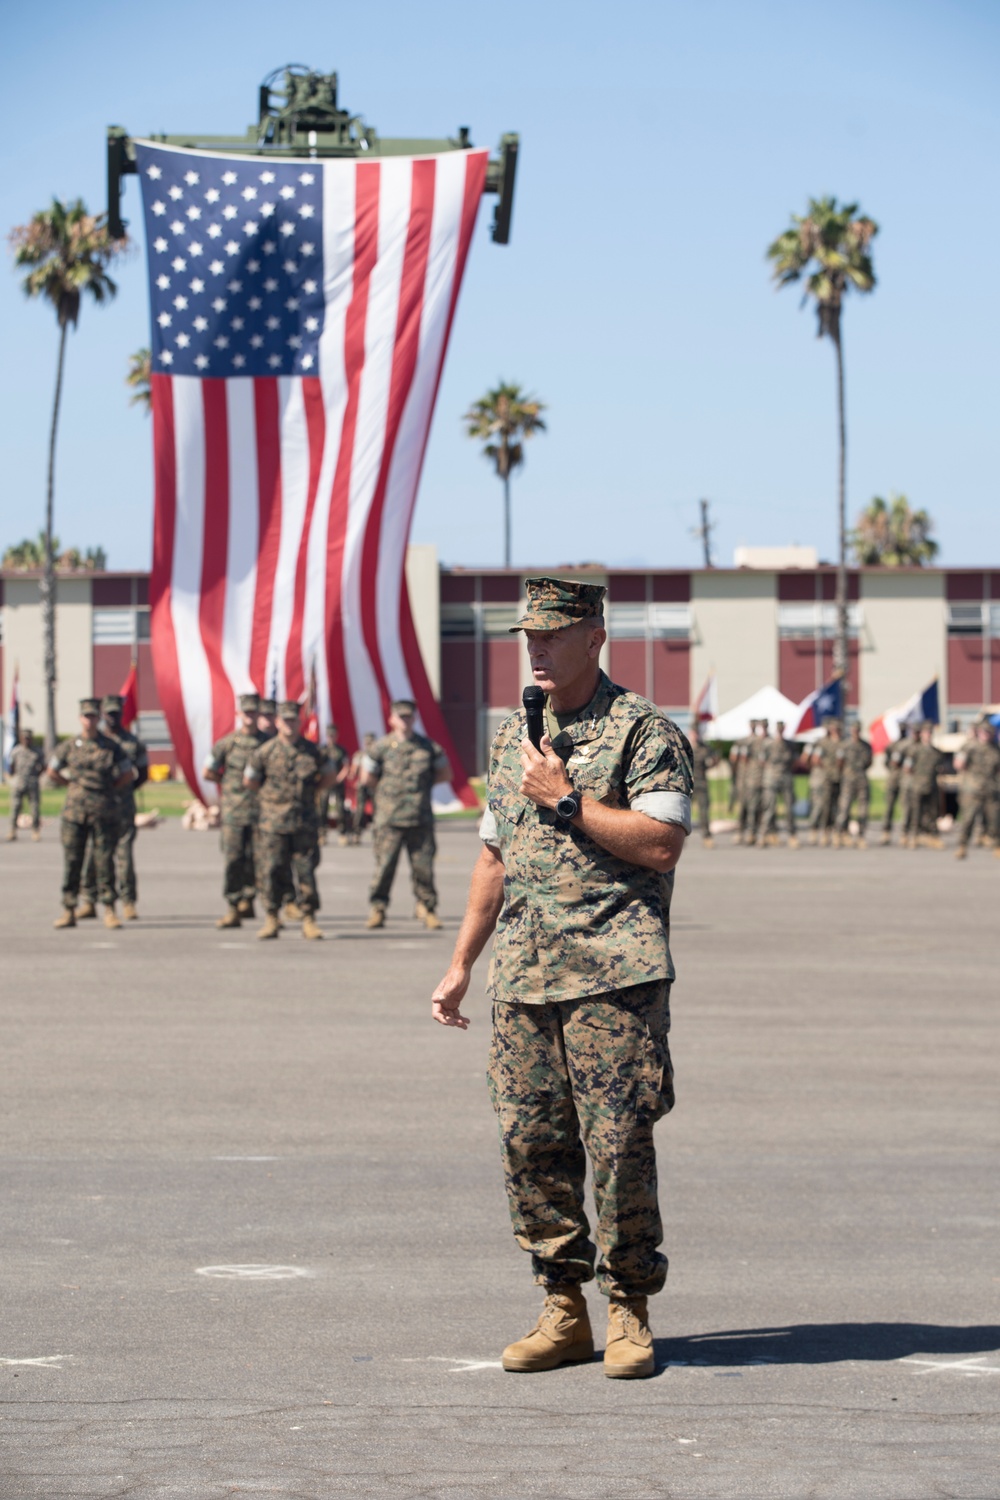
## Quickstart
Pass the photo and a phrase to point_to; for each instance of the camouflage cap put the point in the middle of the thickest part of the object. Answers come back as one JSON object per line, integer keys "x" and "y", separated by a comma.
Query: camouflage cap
{"x": 89, "y": 706}
{"x": 289, "y": 709}
{"x": 249, "y": 703}
{"x": 554, "y": 603}
{"x": 111, "y": 703}
{"x": 267, "y": 706}
{"x": 406, "y": 705}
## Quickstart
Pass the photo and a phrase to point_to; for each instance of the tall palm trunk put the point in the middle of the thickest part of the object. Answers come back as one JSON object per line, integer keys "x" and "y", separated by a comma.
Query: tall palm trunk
{"x": 48, "y": 588}
{"x": 504, "y": 466}
{"x": 840, "y": 657}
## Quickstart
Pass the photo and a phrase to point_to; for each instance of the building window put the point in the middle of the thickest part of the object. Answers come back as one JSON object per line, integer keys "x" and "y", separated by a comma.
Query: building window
{"x": 120, "y": 627}
{"x": 498, "y": 619}
{"x": 458, "y": 622}
{"x": 968, "y": 619}
{"x": 807, "y": 621}
{"x": 660, "y": 622}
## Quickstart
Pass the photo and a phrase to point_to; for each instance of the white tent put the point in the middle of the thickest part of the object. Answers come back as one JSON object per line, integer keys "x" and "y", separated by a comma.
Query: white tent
{"x": 767, "y": 703}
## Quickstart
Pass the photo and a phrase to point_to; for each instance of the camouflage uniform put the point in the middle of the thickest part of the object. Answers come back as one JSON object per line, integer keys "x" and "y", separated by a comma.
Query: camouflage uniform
{"x": 854, "y": 759}
{"x": 406, "y": 771}
{"x": 980, "y": 790}
{"x": 751, "y": 803}
{"x": 580, "y": 982}
{"x": 827, "y": 785}
{"x": 923, "y": 762}
{"x": 90, "y": 811}
{"x": 238, "y": 813}
{"x": 702, "y": 761}
{"x": 124, "y": 853}
{"x": 26, "y": 766}
{"x": 287, "y": 774}
{"x": 779, "y": 758}
{"x": 337, "y": 757}
{"x": 895, "y": 755}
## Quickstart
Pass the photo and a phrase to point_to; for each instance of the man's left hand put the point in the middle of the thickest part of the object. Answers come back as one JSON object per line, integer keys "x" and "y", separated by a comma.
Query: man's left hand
{"x": 544, "y": 779}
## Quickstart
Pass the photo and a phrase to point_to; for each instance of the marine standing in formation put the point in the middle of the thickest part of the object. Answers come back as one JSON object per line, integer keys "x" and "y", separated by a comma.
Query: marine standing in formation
{"x": 94, "y": 769}
{"x": 895, "y": 757}
{"x": 337, "y": 756}
{"x": 979, "y": 764}
{"x": 26, "y": 766}
{"x": 125, "y": 878}
{"x": 575, "y": 875}
{"x": 780, "y": 756}
{"x": 826, "y": 786}
{"x": 288, "y": 772}
{"x": 920, "y": 768}
{"x": 854, "y": 758}
{"x": 703, "y": 758}
{"x": 238, "y": 810}
{"x": 739, "y": 758}
{"x": 403, "y": 767}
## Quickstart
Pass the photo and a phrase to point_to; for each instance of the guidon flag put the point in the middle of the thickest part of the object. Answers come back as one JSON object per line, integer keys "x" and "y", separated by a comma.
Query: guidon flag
{"x": 300, "y": 315}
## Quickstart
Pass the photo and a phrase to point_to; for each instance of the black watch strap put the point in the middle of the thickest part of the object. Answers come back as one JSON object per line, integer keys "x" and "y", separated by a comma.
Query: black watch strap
{"x": 567, "y": 807}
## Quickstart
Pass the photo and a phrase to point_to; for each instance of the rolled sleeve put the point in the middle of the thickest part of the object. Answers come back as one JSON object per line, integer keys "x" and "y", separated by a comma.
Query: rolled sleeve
{"x": 370, "y": 766}
{"x": 665, "y": 807}
{"x": 488, "y": 830}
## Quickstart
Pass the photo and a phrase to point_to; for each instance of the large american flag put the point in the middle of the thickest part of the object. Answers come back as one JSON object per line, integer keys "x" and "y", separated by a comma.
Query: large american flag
{"x": 300, "y": 316}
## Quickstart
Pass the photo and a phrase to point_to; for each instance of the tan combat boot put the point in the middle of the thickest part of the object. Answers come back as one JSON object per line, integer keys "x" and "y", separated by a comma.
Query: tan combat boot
{"x": 430, "y": 919}
{"x": 271, "y": 926}
{"x": 837, "y": 842}
{"x": 824, "y": 840}
{"x": 85, "y": 910}
{"x": 861, "y": 842}
{"x": 129, "y": 912}
{"x": 628, "y": 1352}
{"x": 376, "y": 917}
{"x": 707, "y": 843}
{"x": 561, "y": 1336}
{"x": 886, "y": 838}
{"x": 231, "y": 919}
{"x": 292, "y": 912}
{"x": 35, "y": 835}
{"x": 737, "y": 838}
{"x": 111, "y": 918}
{"x": 310, "y": 928}
{"x": 793, "y": 842}
{"x": 11, "y": 837}
{"x": 245, "y": 908}
{"x": 68, "y": 918}
{"x": 961, "y": 852}
{"x": 343, "y": 841}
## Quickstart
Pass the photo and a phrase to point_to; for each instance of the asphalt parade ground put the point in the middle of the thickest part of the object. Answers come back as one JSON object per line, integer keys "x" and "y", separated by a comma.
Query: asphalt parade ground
{"x": 255, "y": 1243}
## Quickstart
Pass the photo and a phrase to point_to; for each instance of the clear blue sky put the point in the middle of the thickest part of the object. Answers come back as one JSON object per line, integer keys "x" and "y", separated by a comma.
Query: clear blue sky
{"x": 663, "y": 146}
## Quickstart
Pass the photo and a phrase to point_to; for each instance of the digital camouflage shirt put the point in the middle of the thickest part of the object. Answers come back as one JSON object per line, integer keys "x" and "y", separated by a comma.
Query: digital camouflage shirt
{"x": 827, "y": 752}
{"x": 407, "y": 770}
{"x": 228, "y": 759}
{"x": 91, "y": 767}
{"x": 287, "y": 774}
{"x": 702, "y": 760}
{"x": 923, "y": 763}
{"x": 136, "y": 752}
{"x": 854, "y": 758}
{"x": 779, "y": 758}
{"x": 981, "y": 772}
{"x": 895, "y": 757}
{"x": 26, "y": 764}
{"x": 576, "y": 920}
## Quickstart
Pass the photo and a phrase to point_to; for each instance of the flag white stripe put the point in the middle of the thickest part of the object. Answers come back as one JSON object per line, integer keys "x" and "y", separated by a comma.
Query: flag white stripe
{"x": 294, "y": 446}
{"x": 243, "y": 542}
{"x": 185, "y": 591}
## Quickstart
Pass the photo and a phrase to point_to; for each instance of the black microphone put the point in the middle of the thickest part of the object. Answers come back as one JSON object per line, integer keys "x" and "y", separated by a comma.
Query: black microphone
{"x": 534, "y": 713}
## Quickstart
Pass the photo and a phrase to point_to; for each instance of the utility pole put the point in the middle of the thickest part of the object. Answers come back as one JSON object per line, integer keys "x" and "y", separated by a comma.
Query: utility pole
{"x": 704, "y": 531}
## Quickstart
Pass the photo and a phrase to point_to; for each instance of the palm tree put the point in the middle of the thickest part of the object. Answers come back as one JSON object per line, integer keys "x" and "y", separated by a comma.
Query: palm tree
{"x": 831, "y": 246}
{"x": 889, "y": 534}
{"x": 68, "y": 251}
{"x": 505, "y": 417}
{"x": 139, "y": 369}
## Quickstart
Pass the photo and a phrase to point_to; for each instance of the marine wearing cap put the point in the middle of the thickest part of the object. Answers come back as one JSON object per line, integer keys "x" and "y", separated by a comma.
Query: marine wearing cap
{"x": 267, "y": 706}
{"x": 249, "y": 703}
{"x": 89, "y": 706}
{"x": 554, "y": 603}
{"x": 289, "y": 709}
{"x": 111, "y": 703}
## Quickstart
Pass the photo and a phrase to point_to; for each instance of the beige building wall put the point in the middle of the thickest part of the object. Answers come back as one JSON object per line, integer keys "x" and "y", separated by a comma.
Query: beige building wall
{"x": 734, "y": 633}
{"x": 423, "y": 580}
{"x": 24, "y": 649}
{"x": 903, "y": 639}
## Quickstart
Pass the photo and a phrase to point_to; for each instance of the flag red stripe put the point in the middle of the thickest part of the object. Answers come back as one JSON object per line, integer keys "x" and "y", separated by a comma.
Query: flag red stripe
{"x": 215, "y": 532}
{"x": 164, "y": 643}
{"x": 312, "y": 397}
{"x": 265, "y": 395}
{"x": 404, "y": 362}
{"x": 365, "y": 255}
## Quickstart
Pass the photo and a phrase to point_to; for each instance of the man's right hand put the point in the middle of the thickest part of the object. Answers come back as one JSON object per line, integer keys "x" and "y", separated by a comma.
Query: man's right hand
{"x": 448, "y": 996}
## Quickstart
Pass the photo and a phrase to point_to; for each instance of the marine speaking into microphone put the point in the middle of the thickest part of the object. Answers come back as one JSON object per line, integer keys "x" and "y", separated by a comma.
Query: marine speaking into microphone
{"x": 533, "y": 699}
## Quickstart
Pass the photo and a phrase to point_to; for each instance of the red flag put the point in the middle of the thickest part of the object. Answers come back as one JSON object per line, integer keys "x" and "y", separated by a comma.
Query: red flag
{"x": 130, "y": 696}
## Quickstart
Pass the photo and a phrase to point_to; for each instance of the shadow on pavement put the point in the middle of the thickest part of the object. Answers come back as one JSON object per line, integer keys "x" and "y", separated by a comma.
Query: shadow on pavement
{"x": 825, "y": 1343}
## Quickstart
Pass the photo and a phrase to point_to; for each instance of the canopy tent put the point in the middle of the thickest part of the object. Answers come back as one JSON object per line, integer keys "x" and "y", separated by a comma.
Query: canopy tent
{"x": 767, "y": 703}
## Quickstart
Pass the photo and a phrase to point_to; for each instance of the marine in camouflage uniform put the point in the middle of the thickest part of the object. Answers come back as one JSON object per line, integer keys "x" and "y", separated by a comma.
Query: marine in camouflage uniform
{"x": 753, "y": 784}
{"x": 288, "y": 773}
{"x": 921, "y": 767}
{"x": 780, "y": 756}
{"x": 580, "y": 979}
{"x": 854, "y": 760}
{"x": 895, "y": 756}
{"x": 111, "y": 725}
{"x": 980, "y": 768}
{"x": 238, "y": 812}
{"x": 703, "y": 758}
{"x": 825, "y": 790}
{"x": 93, "y": 768}
{"x": 403, "y": 767}
{"x": 338, "y": 757}
{"x": 26, "y": 765}
{"x": 738, "y": 758}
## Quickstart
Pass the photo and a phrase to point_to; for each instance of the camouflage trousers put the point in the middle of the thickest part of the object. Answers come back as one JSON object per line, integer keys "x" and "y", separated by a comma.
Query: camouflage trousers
{"x": 103, "y": 834}
{"x": 853, "y": 793}
{"x": 699, "y": 798}
{"x": 275, "y": 853}
{"x": 389, "y": 843}
{"x": 892, "y": 789}
{"x": 920, "y": 810}
{"x": 750, "y": 808}
{"x": 825, "y": 803}
{"x": 785, "y": 789}
{"x": 332, "y": 797}
{"x": 239, "y": 880}
{"x": 24, "y": 791}
{"x": 576, "y": 1078}
{"x": 124, "y": 862}
{"x": 979, "y": 802}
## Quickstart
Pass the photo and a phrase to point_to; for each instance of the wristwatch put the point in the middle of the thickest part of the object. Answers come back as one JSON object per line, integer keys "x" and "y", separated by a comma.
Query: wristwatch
{"x": 567, "y": 807}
